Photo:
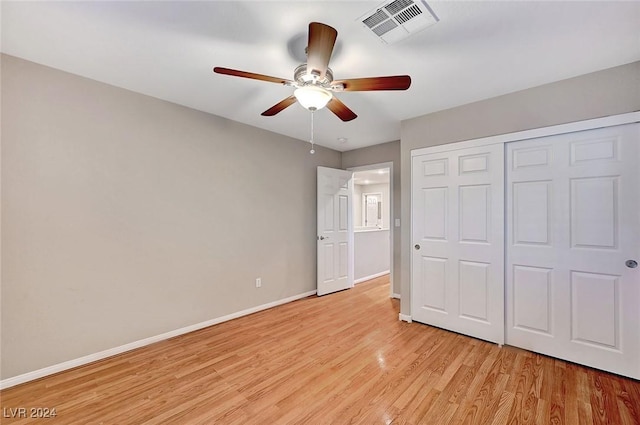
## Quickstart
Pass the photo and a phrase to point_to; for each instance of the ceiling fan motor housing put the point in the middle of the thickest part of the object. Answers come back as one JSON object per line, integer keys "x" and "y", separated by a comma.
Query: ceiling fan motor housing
{"x": 304, "y": 78}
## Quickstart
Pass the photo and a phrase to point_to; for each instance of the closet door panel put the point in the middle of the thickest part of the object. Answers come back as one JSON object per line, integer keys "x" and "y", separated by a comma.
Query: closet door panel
{"x": 458, "y": 241}
{"x": 573, "y": 221}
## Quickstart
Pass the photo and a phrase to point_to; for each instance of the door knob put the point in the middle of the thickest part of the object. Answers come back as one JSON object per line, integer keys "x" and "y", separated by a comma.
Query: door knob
{"x": 416, "y": 246}
{"x": 322, "y": 238}
{"x": 632, "y": 264}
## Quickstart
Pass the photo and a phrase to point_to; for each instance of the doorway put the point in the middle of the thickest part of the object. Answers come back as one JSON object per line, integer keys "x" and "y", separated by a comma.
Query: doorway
{"x": 373, "y": 218}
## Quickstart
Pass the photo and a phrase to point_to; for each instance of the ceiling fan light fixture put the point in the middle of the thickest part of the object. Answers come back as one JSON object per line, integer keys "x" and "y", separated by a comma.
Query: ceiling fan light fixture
{"x": 312, "y": 98}
{"x": 314, "y": 79}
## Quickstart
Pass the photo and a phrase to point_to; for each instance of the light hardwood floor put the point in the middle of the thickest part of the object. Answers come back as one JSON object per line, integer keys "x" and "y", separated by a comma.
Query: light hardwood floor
{"x": 339, "y": 359}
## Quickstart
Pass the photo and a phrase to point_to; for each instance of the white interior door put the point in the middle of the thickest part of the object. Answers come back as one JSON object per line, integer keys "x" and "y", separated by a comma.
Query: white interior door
{"x": 458, "y": 241}
{"x": 335, "y": 230}
{"x": 573, "y": 221}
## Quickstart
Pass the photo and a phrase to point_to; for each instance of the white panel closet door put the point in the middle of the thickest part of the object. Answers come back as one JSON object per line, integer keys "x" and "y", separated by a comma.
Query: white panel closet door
{"x": 335, "y": 230}
{"x": 458, "y": 241}
{"x": 572, "y": 222}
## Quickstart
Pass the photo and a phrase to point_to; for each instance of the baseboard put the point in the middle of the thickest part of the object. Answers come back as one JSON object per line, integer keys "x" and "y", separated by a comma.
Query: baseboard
{"x": 60, "y": 367}
{"x": 396, "y": 296}
{"x": 373, "y": 276}
{"x": 405, "y": 317}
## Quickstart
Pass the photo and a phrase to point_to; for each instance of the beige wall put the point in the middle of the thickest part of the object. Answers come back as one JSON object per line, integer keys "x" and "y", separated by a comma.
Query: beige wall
{"x": 124, "y": 217}
{"x": 386, "y": 152}
{"x": 608, "y": 92}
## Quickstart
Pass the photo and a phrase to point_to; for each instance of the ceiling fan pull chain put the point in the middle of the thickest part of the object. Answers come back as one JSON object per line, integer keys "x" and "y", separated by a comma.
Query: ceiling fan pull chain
{"x": 312, "y": 151}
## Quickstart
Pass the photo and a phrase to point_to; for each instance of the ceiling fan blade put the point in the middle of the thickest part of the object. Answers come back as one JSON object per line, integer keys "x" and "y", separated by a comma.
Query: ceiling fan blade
{"x": 319, "y": 48}
{"x": 251, "y": 75}
{"x": 279, "y": 106}
{"x": 341, "y": 110}
{"x": 395, "y": 82}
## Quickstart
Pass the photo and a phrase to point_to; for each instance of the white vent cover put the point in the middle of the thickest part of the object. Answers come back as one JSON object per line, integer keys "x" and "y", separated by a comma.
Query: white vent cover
{"x": 398, "y": 19}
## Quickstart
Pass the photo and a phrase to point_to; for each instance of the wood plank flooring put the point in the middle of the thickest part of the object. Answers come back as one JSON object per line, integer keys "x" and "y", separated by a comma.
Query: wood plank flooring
{"x": 339, "y": 359}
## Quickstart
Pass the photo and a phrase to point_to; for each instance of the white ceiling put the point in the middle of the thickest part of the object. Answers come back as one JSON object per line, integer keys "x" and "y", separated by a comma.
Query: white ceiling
{"x": 478, "y": 50}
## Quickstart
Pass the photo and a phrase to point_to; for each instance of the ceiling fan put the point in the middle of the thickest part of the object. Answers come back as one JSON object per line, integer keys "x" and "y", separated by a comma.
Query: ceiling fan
{"x": 314, "y": 81}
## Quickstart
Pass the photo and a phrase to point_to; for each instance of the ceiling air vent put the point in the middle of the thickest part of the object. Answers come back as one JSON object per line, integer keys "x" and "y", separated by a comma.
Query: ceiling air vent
{"x": 396, "y": 20}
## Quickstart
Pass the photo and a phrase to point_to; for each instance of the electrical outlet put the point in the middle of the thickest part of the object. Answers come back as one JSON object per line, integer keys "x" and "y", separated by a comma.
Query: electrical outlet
{"x": 258, "y": 282}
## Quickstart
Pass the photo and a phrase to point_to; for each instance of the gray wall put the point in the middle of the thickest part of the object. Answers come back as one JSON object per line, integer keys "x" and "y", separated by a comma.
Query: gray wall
{"x": 124, "y": 216}
{"x": 608, "y": 92}
{"x": 386, "y": 152}
{"x": 372, "y": 249}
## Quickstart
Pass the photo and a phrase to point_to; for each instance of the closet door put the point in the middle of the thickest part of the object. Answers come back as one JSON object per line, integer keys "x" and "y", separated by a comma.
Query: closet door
{"x": 573, "y": 234}
{"x": 458, "y": 241}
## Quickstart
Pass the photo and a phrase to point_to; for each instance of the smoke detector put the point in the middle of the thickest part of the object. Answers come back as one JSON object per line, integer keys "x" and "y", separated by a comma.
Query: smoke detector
{"x": 398, "y": 19}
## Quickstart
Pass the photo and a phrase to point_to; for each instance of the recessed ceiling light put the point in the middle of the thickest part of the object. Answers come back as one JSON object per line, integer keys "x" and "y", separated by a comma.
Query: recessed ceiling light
{"x": 342, "y": 139}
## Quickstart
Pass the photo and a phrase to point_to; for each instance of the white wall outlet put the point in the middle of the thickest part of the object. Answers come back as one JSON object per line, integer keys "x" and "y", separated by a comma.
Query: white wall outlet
{"x": 397, "y": 222}
{"x": 258, "y": 282}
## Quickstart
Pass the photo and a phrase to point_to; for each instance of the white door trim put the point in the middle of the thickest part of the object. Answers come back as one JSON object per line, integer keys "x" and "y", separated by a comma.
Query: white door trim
{"x": 553, "y": 130}
{"x": 388, "y": 165}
